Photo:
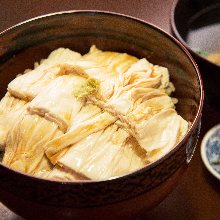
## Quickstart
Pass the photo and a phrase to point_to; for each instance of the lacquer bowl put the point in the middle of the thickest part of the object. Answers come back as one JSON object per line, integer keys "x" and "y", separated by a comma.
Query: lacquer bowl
{"x": 196, "y": 24}
{"x": 117, "y": 198}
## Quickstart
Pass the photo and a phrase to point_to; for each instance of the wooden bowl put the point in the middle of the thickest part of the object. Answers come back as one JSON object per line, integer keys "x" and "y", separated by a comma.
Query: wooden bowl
{"x": 117, "y": 198}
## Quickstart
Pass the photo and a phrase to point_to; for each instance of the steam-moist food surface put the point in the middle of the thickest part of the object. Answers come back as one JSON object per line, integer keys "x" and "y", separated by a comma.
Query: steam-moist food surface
{"x": 94, "y": 116}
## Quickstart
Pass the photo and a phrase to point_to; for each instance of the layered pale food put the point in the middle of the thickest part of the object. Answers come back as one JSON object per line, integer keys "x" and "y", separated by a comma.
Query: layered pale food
{"x": 88, "y": 117}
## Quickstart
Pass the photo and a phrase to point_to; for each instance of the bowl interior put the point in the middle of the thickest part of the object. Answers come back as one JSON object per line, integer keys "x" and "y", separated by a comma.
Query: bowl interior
{"x": 24, "y": 44}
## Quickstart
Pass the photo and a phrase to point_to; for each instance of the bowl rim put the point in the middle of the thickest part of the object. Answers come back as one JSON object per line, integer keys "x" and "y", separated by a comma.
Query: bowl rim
{"x": 165, "y": 34}
{"x": 203, "y": 151}
{"x": 179, "y": 37}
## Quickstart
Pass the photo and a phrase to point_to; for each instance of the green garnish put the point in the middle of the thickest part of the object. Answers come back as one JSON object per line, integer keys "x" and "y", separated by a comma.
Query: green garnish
{"x": 202, "y": 53}
{"x": 90, "y": 86}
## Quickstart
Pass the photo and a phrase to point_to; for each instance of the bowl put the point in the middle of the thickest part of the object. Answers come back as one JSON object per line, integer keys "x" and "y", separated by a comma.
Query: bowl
{"x": 210, "y": 151}
{"x": 117, "y": 198}
{"x": 196, "y": 24}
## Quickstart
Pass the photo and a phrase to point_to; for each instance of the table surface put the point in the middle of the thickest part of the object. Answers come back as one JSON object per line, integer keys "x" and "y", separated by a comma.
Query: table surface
{"x": 198, "y": 194}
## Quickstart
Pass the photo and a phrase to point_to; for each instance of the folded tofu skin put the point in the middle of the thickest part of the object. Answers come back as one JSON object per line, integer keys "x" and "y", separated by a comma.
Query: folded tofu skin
{"x": 88, "y": 117}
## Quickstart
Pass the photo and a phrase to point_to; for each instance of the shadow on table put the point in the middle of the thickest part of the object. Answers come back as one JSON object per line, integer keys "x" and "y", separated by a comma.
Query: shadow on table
{"x": 212, "y": 181}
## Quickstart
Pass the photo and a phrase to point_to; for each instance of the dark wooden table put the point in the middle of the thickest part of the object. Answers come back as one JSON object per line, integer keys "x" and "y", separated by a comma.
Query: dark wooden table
{"x": 198, "y": 194}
